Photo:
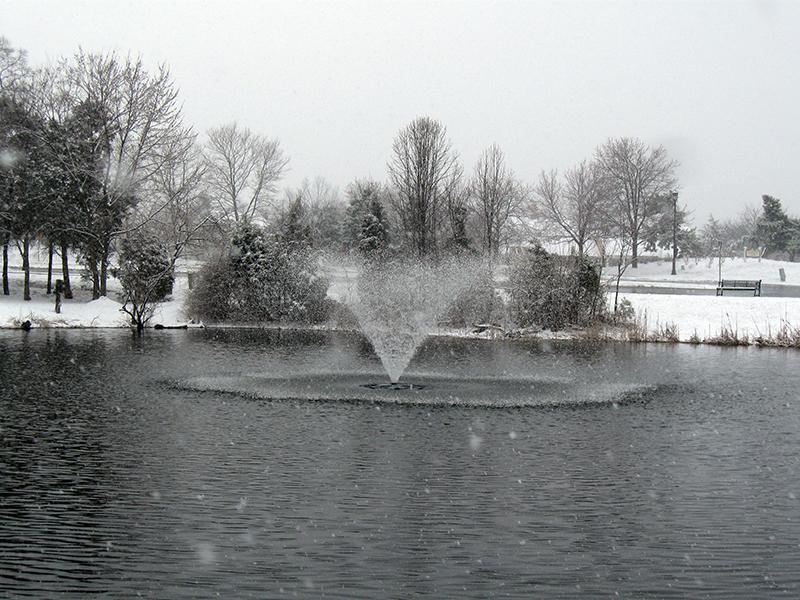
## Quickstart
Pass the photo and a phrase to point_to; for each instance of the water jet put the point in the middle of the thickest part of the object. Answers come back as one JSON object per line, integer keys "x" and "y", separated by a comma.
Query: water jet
{"x": 400, "y": 303}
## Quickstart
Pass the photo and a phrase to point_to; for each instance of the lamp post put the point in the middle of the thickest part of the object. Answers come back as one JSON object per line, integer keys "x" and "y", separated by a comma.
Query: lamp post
{"x": 674, "y": 196}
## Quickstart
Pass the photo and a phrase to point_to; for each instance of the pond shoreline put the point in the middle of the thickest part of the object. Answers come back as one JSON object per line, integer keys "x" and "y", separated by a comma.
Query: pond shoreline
{"x": 658, "y": 317}
{"x": 636, "y": 332}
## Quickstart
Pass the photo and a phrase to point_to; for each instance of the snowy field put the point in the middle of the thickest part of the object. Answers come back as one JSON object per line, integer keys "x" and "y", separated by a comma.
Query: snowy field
{"x": 82, "y": 311}
{"x": 699, "y": 316}
{"x": 707, "y": 271}
{"x": 707, "y": 316}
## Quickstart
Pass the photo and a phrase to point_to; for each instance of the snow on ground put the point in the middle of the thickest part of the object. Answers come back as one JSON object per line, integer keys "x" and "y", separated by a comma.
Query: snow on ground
{"x": 707, "y": 317}
{"x": 707, "y": 271}
{"x": 82, "y": 311}
{"x": 701, "y": 316}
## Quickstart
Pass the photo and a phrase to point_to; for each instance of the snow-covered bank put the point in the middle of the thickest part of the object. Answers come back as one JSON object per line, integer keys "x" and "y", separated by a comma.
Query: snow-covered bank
{"x": 82, "y": 311}
{"x": 708, "y": 317}
{"x": 691, "y": 317}
{"x": 103, "y": 312}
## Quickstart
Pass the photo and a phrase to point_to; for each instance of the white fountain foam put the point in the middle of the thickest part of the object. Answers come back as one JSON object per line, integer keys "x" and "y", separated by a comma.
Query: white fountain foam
{"x": 398, "y": 304}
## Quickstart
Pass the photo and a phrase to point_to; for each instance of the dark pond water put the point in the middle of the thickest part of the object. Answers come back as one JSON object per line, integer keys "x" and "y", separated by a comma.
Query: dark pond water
{"x": 118, "y": 482}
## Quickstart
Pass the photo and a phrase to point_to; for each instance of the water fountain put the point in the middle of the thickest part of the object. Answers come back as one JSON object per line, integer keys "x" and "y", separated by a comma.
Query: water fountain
{"x": 398, "y": 305}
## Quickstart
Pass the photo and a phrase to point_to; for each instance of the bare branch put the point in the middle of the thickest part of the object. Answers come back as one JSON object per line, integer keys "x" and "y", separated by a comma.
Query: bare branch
{"x": 636, "y": 178}
{"x": 242, "y": 171}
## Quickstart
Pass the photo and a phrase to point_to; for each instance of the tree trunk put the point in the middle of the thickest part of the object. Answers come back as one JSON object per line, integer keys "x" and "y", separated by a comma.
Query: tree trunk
{"x": 620, "y": 271}
{"x": 93, "y": 264}
{"x": 65, "y": 271}
{"x": 49, "y": 268}
{"x": 635, "y": 253}
{"x": 95, "y": 283}
{"x": 6, "y": 291}
{"x": 26, "y": 268}
{"x": 103, "y": 274}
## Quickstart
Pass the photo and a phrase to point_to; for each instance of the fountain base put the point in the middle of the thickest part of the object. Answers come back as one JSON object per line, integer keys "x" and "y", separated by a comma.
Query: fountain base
{"x": 425, "y": 390}
{"x": 393, "y": 386}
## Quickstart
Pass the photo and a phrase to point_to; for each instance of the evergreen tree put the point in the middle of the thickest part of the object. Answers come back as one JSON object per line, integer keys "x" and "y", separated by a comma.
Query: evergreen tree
{"x": 365, "y": 219}
{"x": 22, "y": 181}
{"x": 373, "y": 237}
{"x": 793, "y": 244}
{"x": 774, "y": 229}
{"x": 71, "y": 190}
{"x": 100, "y": 212}
{"x": 658, "y": 233}
{"x": 459, "y": 242}
{"x": 295, "y": 232}
{"x": 11, "y": 157}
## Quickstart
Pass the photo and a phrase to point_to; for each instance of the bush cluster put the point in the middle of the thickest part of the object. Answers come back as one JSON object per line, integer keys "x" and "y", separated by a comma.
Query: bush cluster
{"x": 477, "y": 303}
{"x": 554, "y": 292}
{"x": 146, "y": 273}
{"x": 261, "y": 279}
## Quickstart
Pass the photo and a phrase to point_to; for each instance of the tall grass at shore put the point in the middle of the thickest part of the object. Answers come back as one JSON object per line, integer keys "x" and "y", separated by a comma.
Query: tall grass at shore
{"x": 638, "y": 330}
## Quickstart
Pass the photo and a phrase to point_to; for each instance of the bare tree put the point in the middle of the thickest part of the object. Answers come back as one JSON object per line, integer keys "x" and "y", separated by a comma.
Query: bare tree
{"x": 637, "y": 179}
{"x": 548, "y": 192}
{"x": 577, "y": 207}
{"x": 141, "y": 116}
{"x": 745, "y": 225}
{"x": 174, "y": 207}
{"x": 14, "y": 72}
{"x": 421, "y": 172}
{"x": 731, "y": 236}
{"x": 242, "y": 169}
{"x": 496, "y": 197}
{"x": 325, "y": 209}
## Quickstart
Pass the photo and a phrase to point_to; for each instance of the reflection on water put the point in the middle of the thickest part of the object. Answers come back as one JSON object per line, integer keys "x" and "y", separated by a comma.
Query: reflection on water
{"x": 115, "y": 483}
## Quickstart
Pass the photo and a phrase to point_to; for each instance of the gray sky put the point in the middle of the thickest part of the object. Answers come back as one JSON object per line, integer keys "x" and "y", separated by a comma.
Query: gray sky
{"x": 718, "y": 84}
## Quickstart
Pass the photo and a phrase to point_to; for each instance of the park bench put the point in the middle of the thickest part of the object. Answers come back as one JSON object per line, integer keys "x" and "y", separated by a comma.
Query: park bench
{"x": 739, "y": 285}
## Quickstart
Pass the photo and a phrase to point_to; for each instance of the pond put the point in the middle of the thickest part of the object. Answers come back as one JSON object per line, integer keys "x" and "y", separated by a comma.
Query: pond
{"x": 121, "y": 476}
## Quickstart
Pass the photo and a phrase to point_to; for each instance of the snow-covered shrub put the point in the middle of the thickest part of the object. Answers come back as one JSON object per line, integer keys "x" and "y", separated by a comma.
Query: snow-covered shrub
{"x": 210, "y": 297}
{"x": 625, "y": 312}
{"x": 263, "y": 278}
{"x": 554, "y": 292}
{"x": 478, "y": 303}
{"x": 146, "y": 274}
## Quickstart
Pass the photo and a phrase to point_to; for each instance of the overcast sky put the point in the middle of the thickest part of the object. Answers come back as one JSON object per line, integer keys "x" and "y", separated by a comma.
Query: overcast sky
{"x": 718, "y": 84}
